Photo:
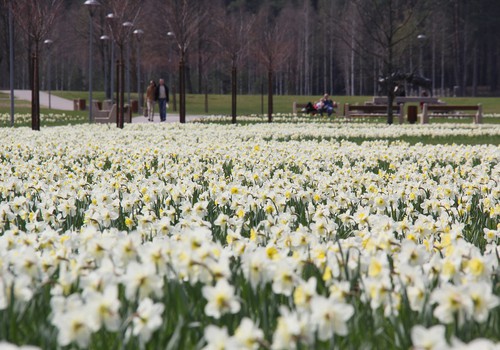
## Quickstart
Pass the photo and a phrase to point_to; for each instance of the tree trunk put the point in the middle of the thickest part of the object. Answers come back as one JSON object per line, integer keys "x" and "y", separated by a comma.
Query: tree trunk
{"x": 390, "y": 84}
{"x": 122, "y": 93}
{"x": 206, "y": 101}
{"x": 474, "y": 70}
{"x": 270, "y": 96}
{"x": 118, "y": 99}
{"x": 234, "y": 76}
{"x": 35, "y": 93}
{"x": 390, "y": 100}
{"x": 351, "y": 92}
{"x": 182, "y": 91}
{"x": 306, "y": 53}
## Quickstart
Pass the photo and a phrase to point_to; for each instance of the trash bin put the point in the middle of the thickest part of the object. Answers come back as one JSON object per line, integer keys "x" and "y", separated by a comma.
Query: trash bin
{"x": 134, "y": 106}
{"x": 81, "y": 104}
{"x": 412, "y": 114}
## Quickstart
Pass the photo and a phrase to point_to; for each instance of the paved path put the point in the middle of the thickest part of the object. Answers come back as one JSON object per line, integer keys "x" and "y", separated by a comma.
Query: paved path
{"x": 67, "y": 105}
{"x": 55, "y": 101}
{"x": 171, "y": 118}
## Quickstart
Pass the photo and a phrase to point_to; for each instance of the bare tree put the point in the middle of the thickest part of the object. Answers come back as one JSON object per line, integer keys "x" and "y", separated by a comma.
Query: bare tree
{"x": 121, "y": 18}
{"x": 36, "y": 19}
{"x": 232, "y": 39}
{"x": 387, "y": 24}
{"x": 207, "y": 54}
{"x": 461, "y": 48}
{"x": 183, "y": 18}
{"x": 272, "y": 46}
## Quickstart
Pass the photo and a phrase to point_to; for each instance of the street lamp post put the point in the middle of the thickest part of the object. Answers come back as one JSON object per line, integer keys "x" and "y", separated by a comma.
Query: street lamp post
{"x": 11, "y": 63}
{"x": 128, "y": 26}
{"x": 182, "y": 80}
{"x": 138, "y": 34}
{"x": 91, "y": 5}
{"x": 106, "y": 81}
{"x": 421, "y": 39}
{"x": 110, "y": 17}
{"x": 48, "y": 43}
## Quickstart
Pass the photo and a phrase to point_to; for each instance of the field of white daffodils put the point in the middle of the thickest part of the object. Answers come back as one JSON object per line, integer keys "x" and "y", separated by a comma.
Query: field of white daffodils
{"x": 278, "y": 236}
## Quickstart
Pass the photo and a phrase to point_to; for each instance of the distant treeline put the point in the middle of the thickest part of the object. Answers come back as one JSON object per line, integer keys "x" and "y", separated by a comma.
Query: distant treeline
{"x": 310, "y": 46}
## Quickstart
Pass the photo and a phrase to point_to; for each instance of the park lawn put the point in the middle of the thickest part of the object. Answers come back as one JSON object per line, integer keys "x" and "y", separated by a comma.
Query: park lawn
{"x": 491, "y": 105}
{"x": 427, "y": 140}
{"x": 221, "y": 104}
{"x": 246, "y": 105}
{"x": 74, "y": 95}
{"x": 255, "y": 104}
{"x": 18, "y": 104}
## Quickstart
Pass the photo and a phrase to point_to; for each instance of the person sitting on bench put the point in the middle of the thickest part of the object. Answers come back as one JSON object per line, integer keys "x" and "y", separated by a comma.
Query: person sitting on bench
{"x": 324, "y": 105}
{"x": 327, "y": 105}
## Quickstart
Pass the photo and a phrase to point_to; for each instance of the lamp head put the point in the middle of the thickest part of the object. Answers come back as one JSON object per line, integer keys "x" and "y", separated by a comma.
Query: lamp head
{"x": 92, "y": 5}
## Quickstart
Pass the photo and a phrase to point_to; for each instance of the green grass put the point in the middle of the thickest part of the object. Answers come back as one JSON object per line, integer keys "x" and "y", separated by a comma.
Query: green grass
{"x": 246, "y": 105}
{"x": 18, "y": 104}
{"x": 413, "y": 140}
{"x": 221, "y": 104}
{"x": 73, "y": 95}
{"x": 252, "y": 104}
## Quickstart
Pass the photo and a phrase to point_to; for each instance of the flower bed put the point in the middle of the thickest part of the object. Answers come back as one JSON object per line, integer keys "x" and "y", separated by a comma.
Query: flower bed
{"x": 261, "y": 236}
{"x": 49, "y": 118}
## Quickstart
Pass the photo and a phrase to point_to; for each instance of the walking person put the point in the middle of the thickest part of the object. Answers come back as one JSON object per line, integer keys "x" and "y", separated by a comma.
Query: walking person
{"x": 150, "y": 100}
{"x": 161, "y": 95}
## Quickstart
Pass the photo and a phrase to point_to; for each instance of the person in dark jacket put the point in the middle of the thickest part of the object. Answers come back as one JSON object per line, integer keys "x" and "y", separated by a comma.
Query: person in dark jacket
{"x": 161, "y": 95}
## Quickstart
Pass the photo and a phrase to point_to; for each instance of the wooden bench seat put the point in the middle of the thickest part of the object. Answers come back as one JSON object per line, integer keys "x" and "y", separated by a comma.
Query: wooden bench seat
{"x": 468, "y": 111}
{"x": 382, "y": 100}
{"x": 352, "y": 111}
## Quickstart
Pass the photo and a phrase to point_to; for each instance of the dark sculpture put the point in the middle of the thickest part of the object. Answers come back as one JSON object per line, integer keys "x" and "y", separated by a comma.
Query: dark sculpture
{"x": 396, "y": 81}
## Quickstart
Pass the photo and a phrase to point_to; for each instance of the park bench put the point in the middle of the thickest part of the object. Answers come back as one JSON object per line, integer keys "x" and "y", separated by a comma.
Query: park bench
{"x": 107, "y": 104}
{"x": 105, "y": 116}
{"x": 99, "y": 113}
{"x": 352, "y": 111}
{"x": 469, "y": 111}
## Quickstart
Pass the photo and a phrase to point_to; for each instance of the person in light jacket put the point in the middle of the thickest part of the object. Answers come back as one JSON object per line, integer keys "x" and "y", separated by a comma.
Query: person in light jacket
{"x": 150, "y": 100}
